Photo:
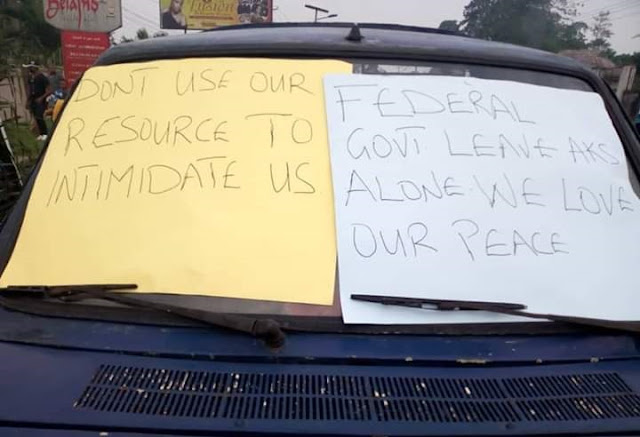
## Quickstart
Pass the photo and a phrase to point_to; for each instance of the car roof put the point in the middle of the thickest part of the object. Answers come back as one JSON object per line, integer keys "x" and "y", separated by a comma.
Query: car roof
{"x": 379, "y": 41}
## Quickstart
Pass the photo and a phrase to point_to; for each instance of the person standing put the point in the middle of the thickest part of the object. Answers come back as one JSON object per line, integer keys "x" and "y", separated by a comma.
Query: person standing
{"x": 38, "y": 90}
{"x": 55, "y": 79}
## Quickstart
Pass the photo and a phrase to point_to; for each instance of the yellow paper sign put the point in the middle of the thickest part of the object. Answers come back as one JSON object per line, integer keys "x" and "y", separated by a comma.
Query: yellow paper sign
{"x": 195, "y": 176}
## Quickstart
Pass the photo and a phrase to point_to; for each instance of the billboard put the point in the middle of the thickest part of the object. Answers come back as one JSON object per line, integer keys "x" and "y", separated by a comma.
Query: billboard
{"x": 80, "y": 50}
{"x": 84, "y": 15}
{"x": 207, "y": 14}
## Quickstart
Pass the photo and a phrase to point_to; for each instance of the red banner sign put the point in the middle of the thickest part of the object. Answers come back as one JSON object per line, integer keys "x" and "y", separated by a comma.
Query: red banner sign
{"x": 83, "y": 15}
{"x": 80, "y": 50}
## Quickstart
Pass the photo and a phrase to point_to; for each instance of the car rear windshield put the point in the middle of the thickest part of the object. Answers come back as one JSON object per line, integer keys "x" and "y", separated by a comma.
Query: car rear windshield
{"x": 290, "y": 171}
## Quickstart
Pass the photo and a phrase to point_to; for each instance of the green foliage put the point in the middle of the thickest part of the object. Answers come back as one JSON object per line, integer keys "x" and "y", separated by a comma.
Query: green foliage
{"x": 571, "y": 36}
{"x": 25, "y": 146}
{"x": 25, "y": 35}
{"x": 450, "y": 25}
{"x": 21, "y": 138}
{"x": 542, "y": 24}
{"x": 601, "y": 32}
{"x": 628, "y": 59}
{"x": 142, "y": 33}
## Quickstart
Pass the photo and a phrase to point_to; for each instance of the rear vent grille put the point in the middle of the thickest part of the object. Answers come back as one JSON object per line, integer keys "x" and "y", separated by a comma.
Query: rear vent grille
{"x": 584, "y": 408}
{"x": 600, "y": 383}
{"x": 315, "y": 397}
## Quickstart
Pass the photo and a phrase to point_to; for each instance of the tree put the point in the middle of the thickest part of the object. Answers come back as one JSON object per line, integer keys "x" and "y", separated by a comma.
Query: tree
{"x": 142, "y": 34}
{"x": 450, "y": 25}
{"x": 25, "y": 35}
{"x": 628, "y": 59}
{"x": 601, "y": 32}
{"x": 572, "y": 36}
{"x": 543, "y": 24}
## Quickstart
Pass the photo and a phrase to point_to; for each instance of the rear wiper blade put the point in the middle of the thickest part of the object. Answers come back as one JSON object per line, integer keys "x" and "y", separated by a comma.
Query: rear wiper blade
{"x": 267, "y": 330}
{"x": 436, "y": 304}
{"x": 512, "y": 309}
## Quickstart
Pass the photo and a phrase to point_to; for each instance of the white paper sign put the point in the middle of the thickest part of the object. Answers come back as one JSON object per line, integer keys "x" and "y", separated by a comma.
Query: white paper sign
{"x": 461, "y": 188}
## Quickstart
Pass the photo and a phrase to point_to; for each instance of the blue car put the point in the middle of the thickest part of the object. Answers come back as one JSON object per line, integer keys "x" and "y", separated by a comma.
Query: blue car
{"x": 326, "y": 229}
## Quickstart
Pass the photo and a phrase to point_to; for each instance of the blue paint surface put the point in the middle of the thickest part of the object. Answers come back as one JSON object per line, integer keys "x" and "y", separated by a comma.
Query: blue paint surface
{"x": 47, "y": 363}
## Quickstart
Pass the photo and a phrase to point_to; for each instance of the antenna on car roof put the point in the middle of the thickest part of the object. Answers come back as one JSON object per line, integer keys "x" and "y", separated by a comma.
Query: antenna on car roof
{"x": 354, "y": 34}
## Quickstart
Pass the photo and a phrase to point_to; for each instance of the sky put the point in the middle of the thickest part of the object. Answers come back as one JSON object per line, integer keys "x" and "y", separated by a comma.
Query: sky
{"x": 625, "y": 15}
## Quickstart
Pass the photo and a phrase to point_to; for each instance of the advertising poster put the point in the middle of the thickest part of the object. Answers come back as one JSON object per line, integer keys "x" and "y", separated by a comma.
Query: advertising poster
{"x": 208, "y": 14}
